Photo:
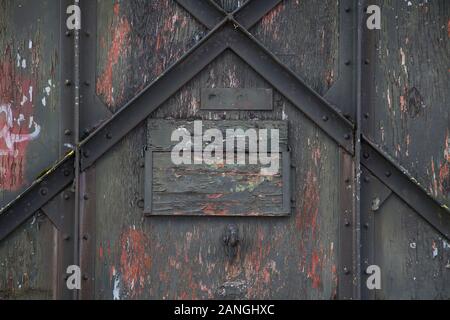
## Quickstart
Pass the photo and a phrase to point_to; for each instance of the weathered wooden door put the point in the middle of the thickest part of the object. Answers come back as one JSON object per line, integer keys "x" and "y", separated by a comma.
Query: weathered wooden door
{"x": 353, "y": 106}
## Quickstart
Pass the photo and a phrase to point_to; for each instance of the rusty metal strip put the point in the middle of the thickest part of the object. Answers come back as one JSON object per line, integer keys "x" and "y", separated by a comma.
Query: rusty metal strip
{"x": 205, "y": 11}
{"x": 292, "y": 87}
{"x": 347, "y": 221}
{"x": 374, "y": 195}
{"x": 253, "y": 11}
{"x": 343, "y": 89}
{"x": 60, "y": 211}
{"x": 139, "y": 108}
{"x": 39, "y": 193}
{"x": 406, "y": 187}
{"x": 87, "y": 233}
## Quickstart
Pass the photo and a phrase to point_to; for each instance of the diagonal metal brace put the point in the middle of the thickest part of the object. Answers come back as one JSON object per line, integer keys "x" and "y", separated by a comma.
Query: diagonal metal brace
{"x": 38, "y": 194}
{"x": 405, "y": 187}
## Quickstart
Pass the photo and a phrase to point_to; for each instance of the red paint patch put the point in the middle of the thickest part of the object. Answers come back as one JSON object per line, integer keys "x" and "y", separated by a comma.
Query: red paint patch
{"x": 448, "y": 28}
{"x": 444, "y": 171}
{"x": 135, "y": 263}
{"x": 118, "y": 49}
{"x": 314, "y": 270}
{"x": 16, "y": 116}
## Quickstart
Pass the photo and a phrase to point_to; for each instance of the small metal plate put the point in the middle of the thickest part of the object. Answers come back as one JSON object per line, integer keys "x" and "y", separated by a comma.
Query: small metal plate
{"x": 236, "y": 99}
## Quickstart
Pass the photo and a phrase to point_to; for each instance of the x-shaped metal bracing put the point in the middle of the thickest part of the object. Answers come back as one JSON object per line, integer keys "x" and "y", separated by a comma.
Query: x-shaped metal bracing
{"x": 228, "y": 31}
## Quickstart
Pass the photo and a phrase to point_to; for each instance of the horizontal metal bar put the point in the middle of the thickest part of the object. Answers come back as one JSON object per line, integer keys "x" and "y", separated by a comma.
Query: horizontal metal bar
{"x": 204, "y": 11}
{"x": 292, "y": 87}
{"x": 38, "y": 194}
{"x": 404, "y": 186}
{"x": 139, "y": 108}
{"x": 253, "y": 11}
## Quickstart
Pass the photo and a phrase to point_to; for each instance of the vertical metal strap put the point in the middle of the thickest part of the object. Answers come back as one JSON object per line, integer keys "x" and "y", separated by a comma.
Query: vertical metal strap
{"x": 87, "y": 233}
{"x": 61, "y": 209}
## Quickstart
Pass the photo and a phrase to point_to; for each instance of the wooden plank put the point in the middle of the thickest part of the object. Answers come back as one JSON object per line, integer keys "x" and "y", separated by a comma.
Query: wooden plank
{"x": 215, "y": 190}
{"x": 159, "y": 132}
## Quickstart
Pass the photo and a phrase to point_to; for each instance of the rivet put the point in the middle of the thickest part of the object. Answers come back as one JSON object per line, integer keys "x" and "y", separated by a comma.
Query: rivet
{"x": 67, "y": 132}
{"x": 347, "y": 223}
{"x": 388, "y": 174}
{"x": 67, "y": 172}
{"x": 366, "y": 226}
{"x": 348, "y": 9}
{"x": 140, "y": 204}
{"x": 87, "y": 83}
{"x": 109, "y": 136}
{"x": 67, "y": 82}
{"x": 325, "y": 118}
{"x": 85, "y": 237}
{"x": 366, "y": 179}
{"x": 44, "y": 191}
{"x": 66, "y": 196}
{"x": 347, "y": 137}
{"x": 86, "y": 153}
{"x": 87, "y": 33}
{"x": 346, "y": 270}
{"x": 366, "y": 115}
{"x": 86, "y": 197}
{"x": 347, "y": 63}
{"x": 367, "y": 61}
{"x": 66, "y": 237}
{"x": 85, "y": 277}
{"x": 68, "y": 34}
{"x": 366, "y": 155}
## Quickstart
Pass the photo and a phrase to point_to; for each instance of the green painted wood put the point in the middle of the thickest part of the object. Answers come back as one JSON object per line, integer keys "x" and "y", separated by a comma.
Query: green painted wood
{"x": 407, "y": 90}
{"x": 28, "y": 261}
{"x": 414, "y": 259}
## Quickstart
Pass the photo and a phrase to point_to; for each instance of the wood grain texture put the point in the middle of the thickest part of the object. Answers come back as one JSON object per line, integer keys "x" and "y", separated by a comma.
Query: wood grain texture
{"x": 27, "y": 261}
{"x": 138, "y": 40}
{"x": 183, "y": 257}
{"x": 414, "y": 259}
{"x": 304, "y": 36}
{"x": 408, "y": 92}
{"x": 29, "y": 93}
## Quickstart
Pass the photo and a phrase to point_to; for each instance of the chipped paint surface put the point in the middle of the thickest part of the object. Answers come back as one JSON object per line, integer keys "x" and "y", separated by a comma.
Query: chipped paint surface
{"x": 134, "y": 262}
{"x": 118, "y": 49}
{"x": 17, "y": 125}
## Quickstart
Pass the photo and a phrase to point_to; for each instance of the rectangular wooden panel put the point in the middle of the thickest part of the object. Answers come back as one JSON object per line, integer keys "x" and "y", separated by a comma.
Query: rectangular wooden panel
{"x": 236, "y": 99}
{"x": 219, "y": 189}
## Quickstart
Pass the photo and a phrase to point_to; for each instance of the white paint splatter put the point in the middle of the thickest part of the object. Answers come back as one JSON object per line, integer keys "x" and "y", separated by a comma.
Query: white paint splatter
{"x": 24, "y": 64}
{"x": 18, "y": 60}
{"x": 24, "y": 100}
{"x": 435, "y": 250}
{"x": 31, "y": 122}
{"x": 44, "y": 101}
{"x": 30, "y": 44}
{"x": 116, "y": 290}
{"x": 47, "y": 90}
{"x": 30, "y": 92}
{"x": 20, "y": 119}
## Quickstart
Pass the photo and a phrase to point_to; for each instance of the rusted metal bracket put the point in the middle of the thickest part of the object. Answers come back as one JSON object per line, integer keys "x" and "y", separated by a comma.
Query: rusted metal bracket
{"x": 38, "y": 194}
{"x": 406, "y": 187}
